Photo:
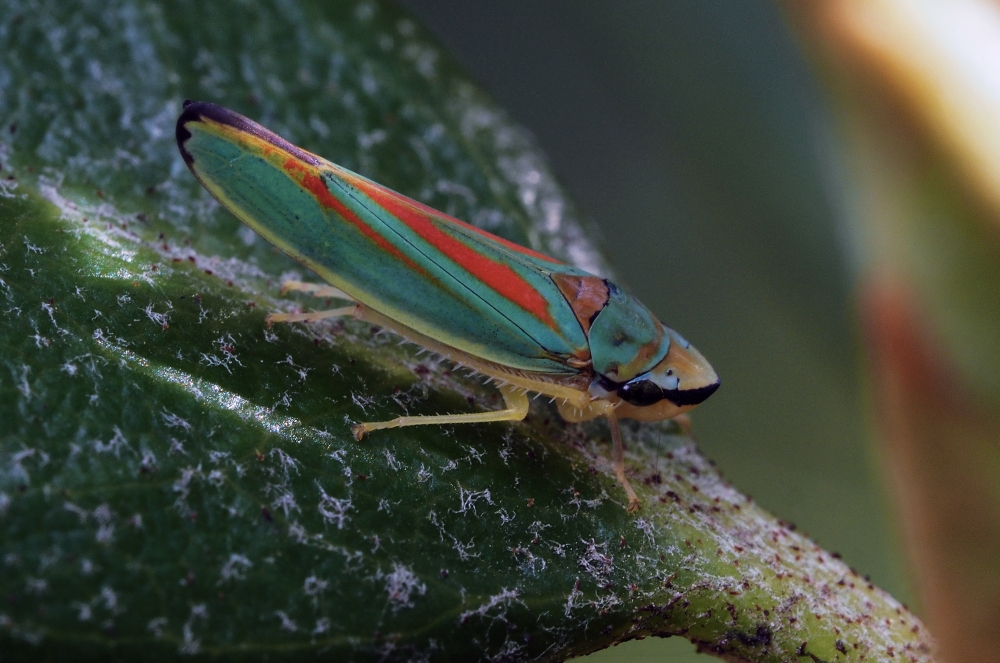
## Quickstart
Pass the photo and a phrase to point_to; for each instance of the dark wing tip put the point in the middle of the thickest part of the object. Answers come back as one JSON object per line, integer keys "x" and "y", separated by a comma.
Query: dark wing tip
{"x": 195, "y": 111}
{"x": 191, "y": 113}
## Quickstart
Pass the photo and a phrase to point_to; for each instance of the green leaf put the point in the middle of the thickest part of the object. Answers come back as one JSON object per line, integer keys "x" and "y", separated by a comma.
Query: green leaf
{"x": 177, "y": 478}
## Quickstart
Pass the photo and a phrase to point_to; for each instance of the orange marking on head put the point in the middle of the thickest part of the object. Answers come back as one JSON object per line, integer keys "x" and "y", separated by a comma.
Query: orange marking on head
{"x": 496, "y": 275}
{"x": 307, "y": 176}
{"x": 586, "y": 295}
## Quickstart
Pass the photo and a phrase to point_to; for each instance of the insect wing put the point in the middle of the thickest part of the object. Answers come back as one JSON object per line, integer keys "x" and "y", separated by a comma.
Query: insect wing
{"x": 434, "y": 274}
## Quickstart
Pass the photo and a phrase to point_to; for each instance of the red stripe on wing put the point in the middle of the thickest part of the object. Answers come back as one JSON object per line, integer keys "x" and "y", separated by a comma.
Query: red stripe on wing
{"x": 517, "y": 248}
{"x": 496, "y": 275}
{"x": 308, "y": 178}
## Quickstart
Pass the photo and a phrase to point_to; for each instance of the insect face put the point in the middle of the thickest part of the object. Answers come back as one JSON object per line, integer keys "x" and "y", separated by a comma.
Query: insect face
{"x": 681, "y": 380}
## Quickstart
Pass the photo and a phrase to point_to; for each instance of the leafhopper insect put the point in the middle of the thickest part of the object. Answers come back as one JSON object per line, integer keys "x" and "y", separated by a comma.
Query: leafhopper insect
{"x": 528, "y": 321}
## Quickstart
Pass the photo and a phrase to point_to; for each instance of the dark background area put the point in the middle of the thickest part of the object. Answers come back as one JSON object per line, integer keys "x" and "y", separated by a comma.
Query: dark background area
{"x": 696, "y": 137}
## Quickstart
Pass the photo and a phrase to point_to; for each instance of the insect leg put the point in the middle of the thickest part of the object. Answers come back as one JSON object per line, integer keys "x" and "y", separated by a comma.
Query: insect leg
{"x": 312, "y": 316}
{"x": 319, "y": 290}
{"x": 619, "y": 460}
{"x": 516, "y": 410}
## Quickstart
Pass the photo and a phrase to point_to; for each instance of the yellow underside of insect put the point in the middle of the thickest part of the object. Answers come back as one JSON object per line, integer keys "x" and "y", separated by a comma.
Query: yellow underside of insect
{"x": 569, "y": 392}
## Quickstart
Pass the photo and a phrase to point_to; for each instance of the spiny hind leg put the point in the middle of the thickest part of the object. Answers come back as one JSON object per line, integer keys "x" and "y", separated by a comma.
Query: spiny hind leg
{"x": 515, "y": 399}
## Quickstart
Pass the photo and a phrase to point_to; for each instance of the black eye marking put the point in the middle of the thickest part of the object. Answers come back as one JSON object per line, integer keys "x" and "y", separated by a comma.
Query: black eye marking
{"x": 640, "y": 393}
{"x": 682, "y": 397}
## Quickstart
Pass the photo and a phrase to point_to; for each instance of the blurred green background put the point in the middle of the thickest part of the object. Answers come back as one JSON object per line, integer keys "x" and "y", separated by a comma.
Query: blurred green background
{"x": 696, "y": 137}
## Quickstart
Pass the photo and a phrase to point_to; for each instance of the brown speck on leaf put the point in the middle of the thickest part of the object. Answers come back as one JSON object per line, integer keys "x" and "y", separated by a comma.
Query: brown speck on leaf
{"x": 531, "y": 501}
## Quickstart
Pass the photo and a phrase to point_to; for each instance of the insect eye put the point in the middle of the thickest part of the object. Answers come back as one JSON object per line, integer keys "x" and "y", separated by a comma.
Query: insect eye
{"x": 640, "y": 393}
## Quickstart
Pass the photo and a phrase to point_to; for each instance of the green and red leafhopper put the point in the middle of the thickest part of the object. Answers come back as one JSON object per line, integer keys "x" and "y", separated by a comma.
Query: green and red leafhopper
{"x": 528, "y": 321}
